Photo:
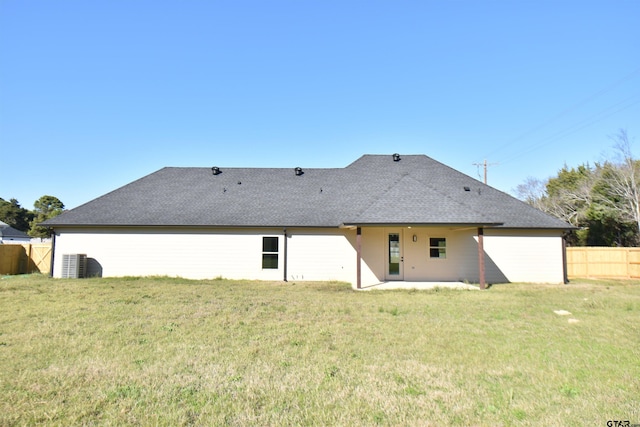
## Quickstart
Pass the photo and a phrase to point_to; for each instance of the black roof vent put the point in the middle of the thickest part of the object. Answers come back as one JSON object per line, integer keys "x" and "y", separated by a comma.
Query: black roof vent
{"x": 216, "y": 170}
{"x": 396, "y": 157}
{"x": 298, "y": 171}
{"x": 467, "y": 188}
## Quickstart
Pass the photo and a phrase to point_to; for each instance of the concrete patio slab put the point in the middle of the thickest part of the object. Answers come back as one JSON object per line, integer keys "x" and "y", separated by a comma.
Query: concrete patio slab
{"x": 384, "y": 286}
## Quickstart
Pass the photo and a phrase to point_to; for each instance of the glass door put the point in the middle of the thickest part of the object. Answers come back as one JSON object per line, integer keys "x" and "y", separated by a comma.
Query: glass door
{"x": 394, "y": 257}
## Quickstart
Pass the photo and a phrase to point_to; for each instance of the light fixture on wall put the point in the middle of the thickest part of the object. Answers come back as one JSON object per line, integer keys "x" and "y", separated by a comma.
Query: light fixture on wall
{"x": 415, "y": 238}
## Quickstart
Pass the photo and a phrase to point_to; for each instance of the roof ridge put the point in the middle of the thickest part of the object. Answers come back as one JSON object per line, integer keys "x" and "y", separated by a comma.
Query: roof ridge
{"x": 465, "y": 205}
{"x": 431, "y": 188}
{"x": 375, "y": 199}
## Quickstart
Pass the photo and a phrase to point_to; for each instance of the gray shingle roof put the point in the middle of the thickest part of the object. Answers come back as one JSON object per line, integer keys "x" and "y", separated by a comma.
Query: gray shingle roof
{"x": 8, "y": 232}
{"x": 372, "y": 190}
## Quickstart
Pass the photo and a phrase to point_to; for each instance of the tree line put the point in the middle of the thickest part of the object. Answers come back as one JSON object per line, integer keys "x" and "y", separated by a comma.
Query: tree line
{"x": 602, "y": 200}
{"x": 26, "y": 220}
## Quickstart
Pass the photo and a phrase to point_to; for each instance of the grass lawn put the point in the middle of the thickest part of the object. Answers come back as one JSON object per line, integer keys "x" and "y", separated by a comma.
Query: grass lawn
{"x": 160, "y": 351}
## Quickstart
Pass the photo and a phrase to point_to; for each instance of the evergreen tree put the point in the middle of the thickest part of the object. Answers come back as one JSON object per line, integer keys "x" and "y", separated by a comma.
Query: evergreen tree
{"x": 15, "y": 215}
{"x": 46, "y": 207}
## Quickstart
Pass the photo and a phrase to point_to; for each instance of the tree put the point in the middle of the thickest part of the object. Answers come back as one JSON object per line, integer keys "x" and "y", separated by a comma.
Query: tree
{"x": 619, "y": 189}
{"x": 569, "y": 194}
{"x": 603, "y": 201}
{"x": 15, "y": 215}
{"x": 46, "y": 207}
{"x": 532, "y": 191}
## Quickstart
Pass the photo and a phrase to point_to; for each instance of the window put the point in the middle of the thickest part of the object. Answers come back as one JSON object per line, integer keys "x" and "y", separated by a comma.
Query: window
{"x": 270, "y": 252}
{"x": 437, "y": 247}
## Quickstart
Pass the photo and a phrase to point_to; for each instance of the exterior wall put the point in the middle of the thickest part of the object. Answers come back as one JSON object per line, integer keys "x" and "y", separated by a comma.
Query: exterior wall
{"x": 315, "y": 254}
{"x": 461, "y": 259}
{"x": 321, "y": 254}
{"x": 530, "y": 256}
{"x": 312, "y": 254}
{"x": 195, "y": 254}
{"x": 14, "y": 240}
{"x": 420, "y": 266}
{"x": 533, "y": 256}
{"x": 374, "y": 248}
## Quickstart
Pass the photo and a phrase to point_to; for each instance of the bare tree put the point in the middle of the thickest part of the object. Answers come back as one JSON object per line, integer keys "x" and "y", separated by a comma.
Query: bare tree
{"x": 532, "y": 191}
{"x": 571, "y": 204}
{"x": 620, "y": 191}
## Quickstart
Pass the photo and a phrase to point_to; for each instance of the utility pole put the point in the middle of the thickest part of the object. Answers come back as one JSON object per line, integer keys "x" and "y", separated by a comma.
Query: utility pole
{"x": 485, "y": 165}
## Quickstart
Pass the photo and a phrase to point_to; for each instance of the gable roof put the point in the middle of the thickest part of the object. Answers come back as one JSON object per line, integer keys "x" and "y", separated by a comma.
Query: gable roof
{"x": 373, "y": 190}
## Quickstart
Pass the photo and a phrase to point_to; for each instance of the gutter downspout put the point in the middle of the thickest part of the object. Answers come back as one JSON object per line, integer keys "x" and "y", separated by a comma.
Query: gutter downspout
{"x": 565, "y": 274}
{"x": 284, "y": 231}
{"x": 53, "y": 252}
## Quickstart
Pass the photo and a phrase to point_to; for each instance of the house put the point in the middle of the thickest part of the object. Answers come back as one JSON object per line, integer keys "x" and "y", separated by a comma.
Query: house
{"x": 9, "y": 234}
{"x": 381, "y": 218}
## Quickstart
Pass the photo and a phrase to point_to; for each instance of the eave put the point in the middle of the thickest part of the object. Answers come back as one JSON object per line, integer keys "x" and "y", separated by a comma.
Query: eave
{"x": 420, "y": 224}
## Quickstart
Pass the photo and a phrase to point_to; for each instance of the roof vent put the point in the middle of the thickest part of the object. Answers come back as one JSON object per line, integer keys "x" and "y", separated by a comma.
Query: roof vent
{"x": 467, "y": 188}
{"x": 298, "y": 171}
{"x": 396, "y": 157}
{"x": 216, "y": 170}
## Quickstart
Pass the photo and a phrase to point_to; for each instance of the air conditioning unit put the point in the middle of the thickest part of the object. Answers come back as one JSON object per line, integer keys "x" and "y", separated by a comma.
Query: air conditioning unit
{"x": 74, "y": 266}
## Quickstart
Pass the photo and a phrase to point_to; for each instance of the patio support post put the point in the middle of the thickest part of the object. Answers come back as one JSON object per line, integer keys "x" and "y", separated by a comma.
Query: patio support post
{"x": 359, "y": 257}
{"x": 481, "y": 257}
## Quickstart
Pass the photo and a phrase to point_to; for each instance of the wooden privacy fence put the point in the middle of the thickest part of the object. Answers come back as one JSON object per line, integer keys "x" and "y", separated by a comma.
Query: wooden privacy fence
{"x": 622, "y": 263}
{"x": 25, "y": 259}
{"x": 581, "y": 261}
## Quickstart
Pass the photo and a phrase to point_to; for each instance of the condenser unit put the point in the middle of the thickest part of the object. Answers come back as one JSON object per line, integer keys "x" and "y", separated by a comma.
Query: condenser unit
{"x": 74, "y": 266}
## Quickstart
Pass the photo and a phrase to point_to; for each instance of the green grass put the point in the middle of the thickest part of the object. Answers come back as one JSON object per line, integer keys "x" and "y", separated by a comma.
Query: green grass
{"x": 160, "y": 351}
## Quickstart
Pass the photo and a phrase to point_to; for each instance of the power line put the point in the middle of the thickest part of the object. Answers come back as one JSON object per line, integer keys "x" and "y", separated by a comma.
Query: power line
{"x": 484, "y": 165}
{"x": 595, "y": 118}
{"x": 566, "y": 111}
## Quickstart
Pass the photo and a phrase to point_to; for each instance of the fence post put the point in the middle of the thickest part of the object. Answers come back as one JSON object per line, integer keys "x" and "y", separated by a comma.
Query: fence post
{"x": 28, "y": 269}
{"x": 586, "y": 257}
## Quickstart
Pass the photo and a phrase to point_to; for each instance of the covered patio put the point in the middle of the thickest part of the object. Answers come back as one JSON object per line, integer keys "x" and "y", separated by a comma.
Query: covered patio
{"x": 420, "y": 256}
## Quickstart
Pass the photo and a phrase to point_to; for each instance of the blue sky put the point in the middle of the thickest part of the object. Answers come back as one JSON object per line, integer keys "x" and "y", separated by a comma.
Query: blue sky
{"x": 95, "y": 94}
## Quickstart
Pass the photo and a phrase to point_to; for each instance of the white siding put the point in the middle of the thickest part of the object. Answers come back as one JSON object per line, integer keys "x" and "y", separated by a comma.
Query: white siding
{"x": 528, "y": 256}
{"x": 461, "y": 262}
{"x": 192, "y": 254}
{"x": 312, "y": 254}
{"x": 322, "y": 254}
{"x": 374, "y": 261}
{"x": 532, "y": 256}
{"x": 315, "y": 254}
{"x": 418, "y": 265}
